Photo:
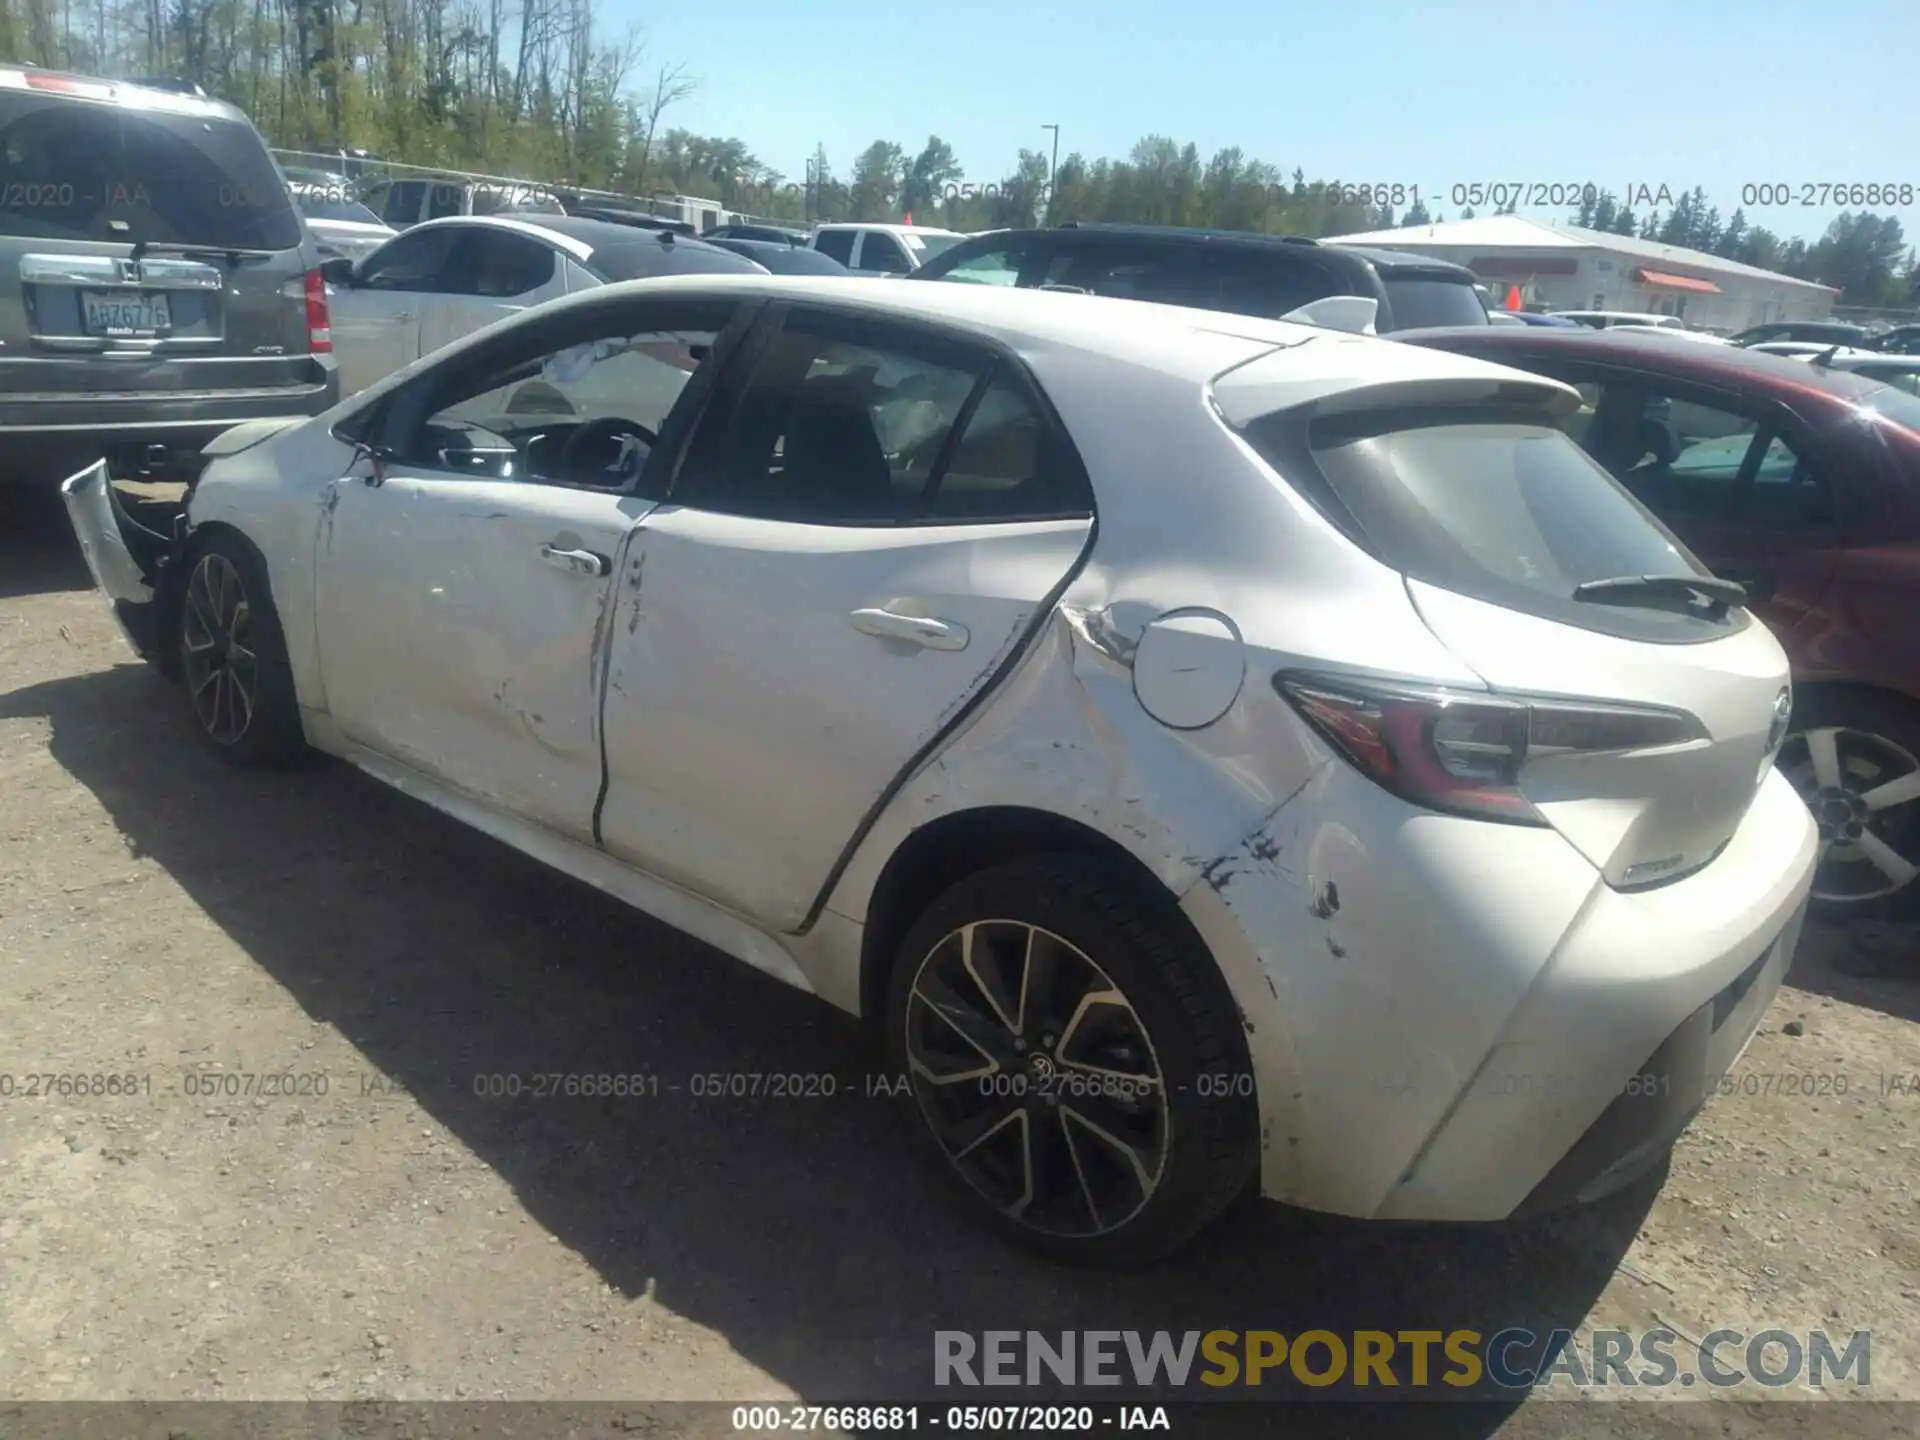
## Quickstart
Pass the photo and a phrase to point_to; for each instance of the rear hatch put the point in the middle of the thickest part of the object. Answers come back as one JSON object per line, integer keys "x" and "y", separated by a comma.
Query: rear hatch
{"x": 147, "y": 244}
{"x": 1638, "y": 720}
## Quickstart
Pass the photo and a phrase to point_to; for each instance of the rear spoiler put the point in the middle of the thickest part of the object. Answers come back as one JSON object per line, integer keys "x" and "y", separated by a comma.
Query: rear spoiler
{"x": 1377, "y": 377}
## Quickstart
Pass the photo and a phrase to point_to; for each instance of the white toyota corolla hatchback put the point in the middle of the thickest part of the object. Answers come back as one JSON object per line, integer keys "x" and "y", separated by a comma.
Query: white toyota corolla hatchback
{"x": 1212, "y": 752}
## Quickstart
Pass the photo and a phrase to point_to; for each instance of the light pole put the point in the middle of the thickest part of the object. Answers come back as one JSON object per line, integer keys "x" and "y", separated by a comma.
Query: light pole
{"x": 1052, "y": 166}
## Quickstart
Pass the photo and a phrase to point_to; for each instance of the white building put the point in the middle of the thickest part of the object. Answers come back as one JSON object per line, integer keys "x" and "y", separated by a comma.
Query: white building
{"x": 1563, "y": 267}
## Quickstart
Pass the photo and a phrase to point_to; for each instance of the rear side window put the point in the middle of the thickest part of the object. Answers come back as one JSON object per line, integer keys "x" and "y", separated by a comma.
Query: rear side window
{"x": 836, "y": 243}
{"x": 1497, "y": 507}
{"x": 70, "y": 168}
{"x": 1419, "y": 301}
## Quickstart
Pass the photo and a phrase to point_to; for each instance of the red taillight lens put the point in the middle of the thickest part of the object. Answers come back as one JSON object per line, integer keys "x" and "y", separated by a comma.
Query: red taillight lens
{"x": 319, "y": 321}
{"x": 1463, "y": 753}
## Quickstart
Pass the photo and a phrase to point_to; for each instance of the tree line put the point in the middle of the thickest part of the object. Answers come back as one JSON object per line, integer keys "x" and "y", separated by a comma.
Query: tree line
{"x": 544, "y": 90}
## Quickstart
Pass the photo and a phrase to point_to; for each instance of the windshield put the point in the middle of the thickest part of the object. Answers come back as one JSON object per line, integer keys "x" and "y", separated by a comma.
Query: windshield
{"x": 925, "y": 247}
{"x": 318, "y": 206}
{"x": 1422, "y": 301}
{"x": 70, "y": 168}
{"x": 1895, "y": 402}
{"x": 1504, "y": 510}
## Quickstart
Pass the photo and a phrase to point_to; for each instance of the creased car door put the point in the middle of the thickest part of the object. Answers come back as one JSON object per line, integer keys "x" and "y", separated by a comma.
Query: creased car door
{"x": 771, "y": 678}
{"x": 458, "y": 627}
{"x": 464, "y": 601}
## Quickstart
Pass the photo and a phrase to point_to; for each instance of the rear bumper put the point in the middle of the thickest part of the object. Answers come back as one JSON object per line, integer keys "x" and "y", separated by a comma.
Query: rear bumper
{"x": 1649, "y": 999}
{"x": 46, "y": 437}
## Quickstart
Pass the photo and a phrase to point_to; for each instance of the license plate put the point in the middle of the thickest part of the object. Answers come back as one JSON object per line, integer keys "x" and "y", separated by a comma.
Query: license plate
{"x": 115, "y": 313}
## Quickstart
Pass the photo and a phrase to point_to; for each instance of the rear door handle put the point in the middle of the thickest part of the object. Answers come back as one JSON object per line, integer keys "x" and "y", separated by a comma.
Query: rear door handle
{"x": 403, "y": 317}
{"x": 919, "y": 630}
{"x": 577, "y": 562}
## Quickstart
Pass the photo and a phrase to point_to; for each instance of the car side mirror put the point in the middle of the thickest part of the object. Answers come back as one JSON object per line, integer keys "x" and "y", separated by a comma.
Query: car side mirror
{"x": 337, "y": 271}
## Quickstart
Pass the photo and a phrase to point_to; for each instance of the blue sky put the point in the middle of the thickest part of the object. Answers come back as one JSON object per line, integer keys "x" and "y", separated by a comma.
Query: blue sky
{"x": 1717, "y": 93}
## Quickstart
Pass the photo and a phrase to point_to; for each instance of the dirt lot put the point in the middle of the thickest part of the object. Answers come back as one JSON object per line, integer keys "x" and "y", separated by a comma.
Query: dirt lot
{"x": 401, "y": 1236}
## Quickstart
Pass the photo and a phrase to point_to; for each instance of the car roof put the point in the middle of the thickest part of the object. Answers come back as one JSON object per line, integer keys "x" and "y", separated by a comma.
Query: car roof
{"x": 772, "y": 253}
{"x": 889, "y": 228}
{"x": 1387, "y": 262}
{"x": 577, "y": 236}
{"x": 1049, "y": 328}
{"x": 1723, "y": 365}
{"x": 98, "y": 89}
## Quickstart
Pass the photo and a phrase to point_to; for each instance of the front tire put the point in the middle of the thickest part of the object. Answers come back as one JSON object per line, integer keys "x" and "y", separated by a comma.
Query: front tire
{"x": 233, "y": 658}
{"x": 1854, "y": 756}
{"x": 1074, "y": 1060}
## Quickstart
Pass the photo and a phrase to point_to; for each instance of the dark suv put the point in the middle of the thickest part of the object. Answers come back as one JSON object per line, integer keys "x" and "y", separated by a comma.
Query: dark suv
{"x": 1231, "y": 270}
{"x": 157, "y": 285}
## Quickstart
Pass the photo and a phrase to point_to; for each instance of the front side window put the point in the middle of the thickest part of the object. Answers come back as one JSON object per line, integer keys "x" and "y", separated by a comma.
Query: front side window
{"x": 74, "y": 169}
{"x": 840, "y": 425}
{"x": 837, "y": 244}
{"x": 584, "y": 414}
{"x": 416, "y": 261}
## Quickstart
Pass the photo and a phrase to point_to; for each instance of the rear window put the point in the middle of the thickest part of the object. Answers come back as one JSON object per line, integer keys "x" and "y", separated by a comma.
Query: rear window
{"x": 647, "y": 256}
{"x": 70, "y": 168}
{"x": 1497, "y": 507}
{"x": 1419, "y": 301}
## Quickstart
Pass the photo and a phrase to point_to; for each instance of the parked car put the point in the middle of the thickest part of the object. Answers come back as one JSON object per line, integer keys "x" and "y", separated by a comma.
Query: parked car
{"x": 1530, "y": 317}
{"x": 156, "y": 283}
{"x": 405, "y": 203}
{"x": 1900, "y": 340}
{"x": 1827, "y": 332}
{"x": 882, "y": 249}
{"x": 780, "y": 258}
{"x": 1236, "y": 271}
{"x": 445, "y": 278}
{"x": 638, "y": 219}
{"x": 341, "y": 227}
{"x": 1372, "y": 759}
{"x": 1607, "y": 319}
{"x": 1805, "y": 487}
{"x": 778, "y": 234}
{"x": 1900, "y": 371}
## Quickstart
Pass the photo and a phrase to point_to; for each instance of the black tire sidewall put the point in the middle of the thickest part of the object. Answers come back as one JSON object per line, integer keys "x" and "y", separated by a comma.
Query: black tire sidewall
{"x": 274, "y": 736}
{"x": 1152, "y": 955}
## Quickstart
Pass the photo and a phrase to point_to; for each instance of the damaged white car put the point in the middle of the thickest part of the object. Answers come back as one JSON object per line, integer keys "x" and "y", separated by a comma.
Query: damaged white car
{"x": 1215, "y": 753}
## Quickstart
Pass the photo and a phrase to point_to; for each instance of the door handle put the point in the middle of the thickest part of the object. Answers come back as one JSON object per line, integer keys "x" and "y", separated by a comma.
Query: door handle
{"x": 915, "y": 629}
{"x": 403, "y": 317}
{"x": 577, "y": 562}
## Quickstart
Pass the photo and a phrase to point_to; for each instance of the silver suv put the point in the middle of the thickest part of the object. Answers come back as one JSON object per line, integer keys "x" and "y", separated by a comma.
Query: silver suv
{"x": 157, "y": 285}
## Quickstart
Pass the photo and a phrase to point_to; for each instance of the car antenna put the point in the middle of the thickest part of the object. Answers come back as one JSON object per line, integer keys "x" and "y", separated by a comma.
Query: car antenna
{"x": 1824, "y": 360}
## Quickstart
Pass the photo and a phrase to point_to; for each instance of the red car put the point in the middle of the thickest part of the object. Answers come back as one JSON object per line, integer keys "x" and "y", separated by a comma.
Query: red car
{"x": 1804, "y": 486}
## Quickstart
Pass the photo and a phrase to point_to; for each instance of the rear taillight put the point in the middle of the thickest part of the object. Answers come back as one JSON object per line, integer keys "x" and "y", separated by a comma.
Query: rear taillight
{"x": 1462, "y": 752}
{"x": 319, "y": 321}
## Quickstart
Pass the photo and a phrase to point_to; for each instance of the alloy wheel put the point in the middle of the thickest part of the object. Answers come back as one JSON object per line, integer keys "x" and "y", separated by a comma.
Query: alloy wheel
{"x": 222, "y": 671}
{"x": 1862, "y": 789}
{"x": 1038, "y": 1078}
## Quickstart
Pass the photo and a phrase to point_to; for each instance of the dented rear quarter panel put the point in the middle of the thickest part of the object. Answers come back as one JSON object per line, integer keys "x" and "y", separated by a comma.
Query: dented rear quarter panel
{"x": 1277, "y": 851}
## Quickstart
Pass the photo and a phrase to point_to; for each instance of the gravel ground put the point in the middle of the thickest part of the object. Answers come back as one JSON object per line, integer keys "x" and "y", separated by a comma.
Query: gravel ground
{"x": 400, "y": 1236}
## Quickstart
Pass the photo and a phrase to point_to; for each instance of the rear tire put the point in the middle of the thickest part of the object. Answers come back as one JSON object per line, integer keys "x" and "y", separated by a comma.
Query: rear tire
{"x": 1075, "y": 1060}
{"x": 1854, "y": 756}
{"x": 233, "y": 657}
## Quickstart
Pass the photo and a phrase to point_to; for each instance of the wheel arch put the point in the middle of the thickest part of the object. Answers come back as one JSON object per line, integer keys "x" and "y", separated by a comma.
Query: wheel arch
{"x": 947, "y": 849}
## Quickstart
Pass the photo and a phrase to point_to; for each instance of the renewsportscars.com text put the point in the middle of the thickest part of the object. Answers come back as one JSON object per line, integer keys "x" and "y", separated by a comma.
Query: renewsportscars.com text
{"x": 1377, "y": 1361}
